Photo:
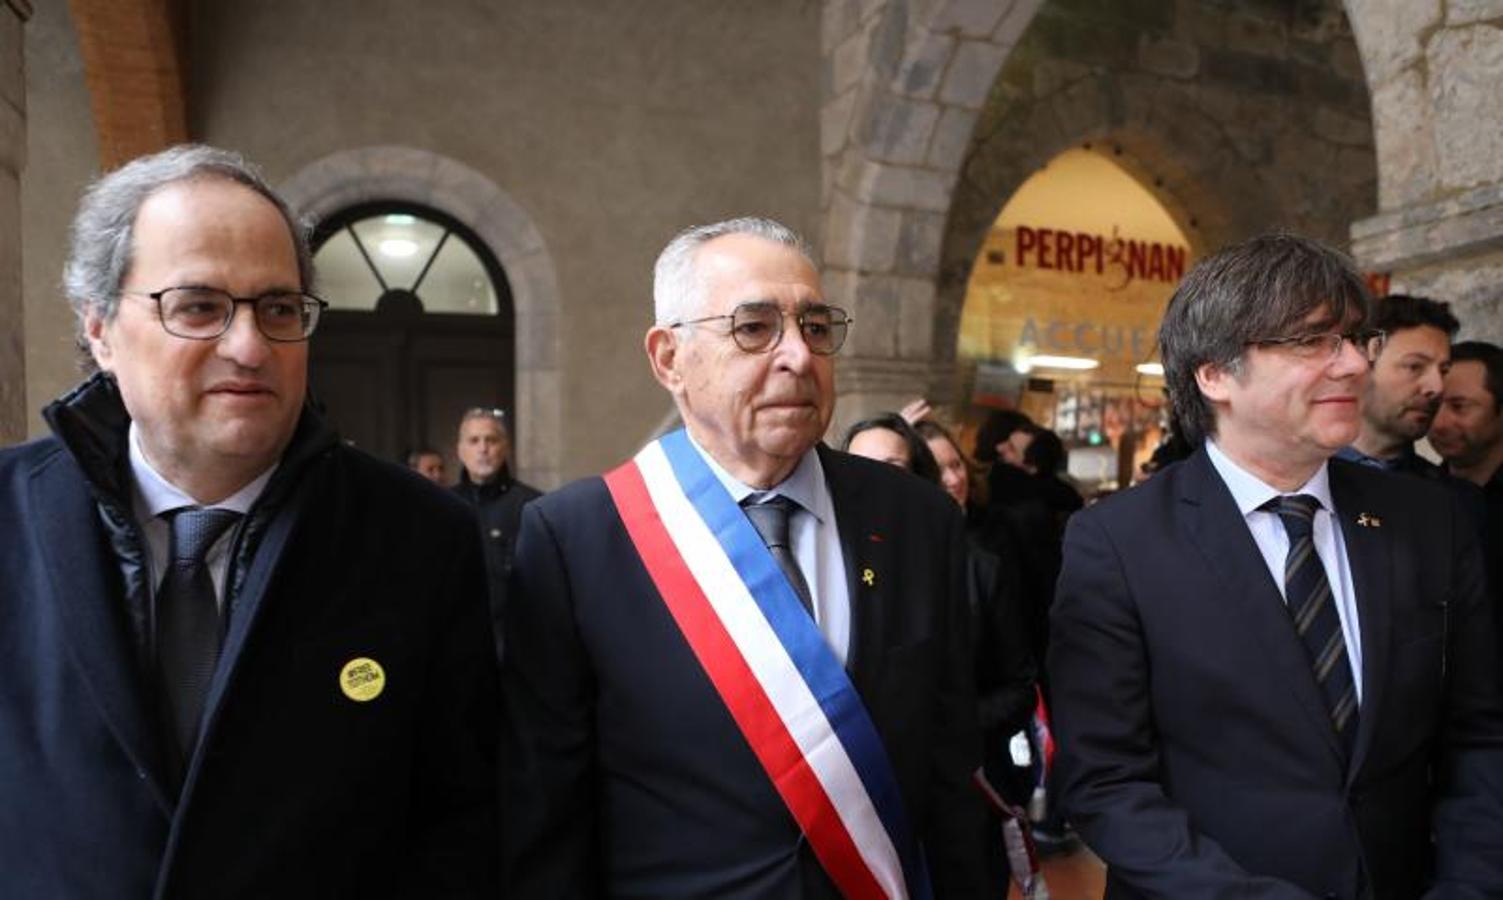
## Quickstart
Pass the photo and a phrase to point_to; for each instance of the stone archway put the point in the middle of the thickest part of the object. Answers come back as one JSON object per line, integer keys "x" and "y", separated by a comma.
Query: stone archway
{"x": 906, "y": 83}
{"x": 937, "y": 112}
{"x": 363, "y": 175}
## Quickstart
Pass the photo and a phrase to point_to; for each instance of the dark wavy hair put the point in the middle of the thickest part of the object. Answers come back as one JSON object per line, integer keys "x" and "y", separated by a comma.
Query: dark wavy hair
{"x": 920, "y": 457}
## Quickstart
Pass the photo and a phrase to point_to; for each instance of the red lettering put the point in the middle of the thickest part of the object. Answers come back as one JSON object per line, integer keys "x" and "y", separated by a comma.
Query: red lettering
{"x": 1064, "y": 246}
{"x": 1136, "y": 260}
{"x": 1046, "y": 248}
{"x": 1027, "y": 241}
{"x": 1174, "y": 264}
{"x": 1156, "y": 262}
{"x": 1086, "y": 246}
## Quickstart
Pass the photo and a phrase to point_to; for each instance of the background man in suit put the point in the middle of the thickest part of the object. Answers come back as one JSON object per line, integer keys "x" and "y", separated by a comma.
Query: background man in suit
{"x": 632, "y": 777}
{"x": 1403, "y": 391}
{"x": 1275, "y": 675}
{"x": 240, "y": 658}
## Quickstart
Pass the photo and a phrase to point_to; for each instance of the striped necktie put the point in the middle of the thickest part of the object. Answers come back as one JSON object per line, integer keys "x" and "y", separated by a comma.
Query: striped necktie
{"x": 1312, "y": 607}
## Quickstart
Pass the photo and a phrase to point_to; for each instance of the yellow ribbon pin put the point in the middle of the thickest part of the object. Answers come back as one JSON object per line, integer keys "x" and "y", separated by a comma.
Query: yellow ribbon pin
{"x": 869, "y": 577}
{"x": 362, "y": 679}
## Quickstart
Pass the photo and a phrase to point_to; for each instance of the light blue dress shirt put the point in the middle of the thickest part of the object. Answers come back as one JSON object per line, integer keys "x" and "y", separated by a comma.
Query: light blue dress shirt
{"x": 815, "y": 538}
{"x": 1250, "y": 492}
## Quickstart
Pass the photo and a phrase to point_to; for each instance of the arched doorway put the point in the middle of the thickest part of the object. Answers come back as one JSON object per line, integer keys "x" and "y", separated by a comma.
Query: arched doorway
{"x": 1062, "y": 308}
{"x": 419, "y": 328}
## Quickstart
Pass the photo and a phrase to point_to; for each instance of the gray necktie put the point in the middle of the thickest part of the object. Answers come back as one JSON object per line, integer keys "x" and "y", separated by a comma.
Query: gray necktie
{"x": 188, "y": 620}
{"x": 770, "y": 518}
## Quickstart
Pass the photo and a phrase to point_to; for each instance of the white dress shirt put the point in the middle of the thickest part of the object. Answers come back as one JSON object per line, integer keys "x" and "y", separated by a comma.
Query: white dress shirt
{"x": 815, "y": 539}
{"x": 155, "y": 495}
{"x": 1251, "y": 492}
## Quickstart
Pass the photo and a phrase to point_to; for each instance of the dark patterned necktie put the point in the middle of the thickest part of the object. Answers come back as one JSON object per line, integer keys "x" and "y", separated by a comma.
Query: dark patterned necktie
{"x": 1312, "y": 607}
{"x": 188, "y": 620}
{"x": 770, "y": 518}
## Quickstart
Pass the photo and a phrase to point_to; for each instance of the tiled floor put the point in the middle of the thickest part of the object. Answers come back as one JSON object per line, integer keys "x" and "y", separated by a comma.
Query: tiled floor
{"x": 1077, "y": 875}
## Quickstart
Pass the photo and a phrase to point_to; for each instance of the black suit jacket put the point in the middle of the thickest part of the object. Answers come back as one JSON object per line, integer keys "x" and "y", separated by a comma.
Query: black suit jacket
{"x": 296, "y": 790}
{"x": 1195, "y": 754}
{"x": 627, "y": 775}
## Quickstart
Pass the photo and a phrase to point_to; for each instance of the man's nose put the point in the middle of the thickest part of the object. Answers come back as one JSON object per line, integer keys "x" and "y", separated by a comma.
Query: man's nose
{"x": 1351, "y": 360}
{"x": 243, "y": 342}
{"x": 793, "y": 351}
{"x": 1431, "y": 382}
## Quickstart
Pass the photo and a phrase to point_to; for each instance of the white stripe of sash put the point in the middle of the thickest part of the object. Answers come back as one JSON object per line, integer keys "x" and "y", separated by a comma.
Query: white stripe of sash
{"x": 773, "y": 668}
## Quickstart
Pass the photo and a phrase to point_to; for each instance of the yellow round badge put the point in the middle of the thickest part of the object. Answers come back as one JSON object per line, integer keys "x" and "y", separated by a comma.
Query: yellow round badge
{"x": 362, "y": 679}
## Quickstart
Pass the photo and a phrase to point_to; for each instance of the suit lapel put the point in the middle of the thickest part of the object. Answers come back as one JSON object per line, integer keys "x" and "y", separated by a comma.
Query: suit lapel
{"x": 867, "y": 550}
{"x": 1368, "y": 555}
{"x": 81, "y": 569}
{"x": 1218, "y": 530}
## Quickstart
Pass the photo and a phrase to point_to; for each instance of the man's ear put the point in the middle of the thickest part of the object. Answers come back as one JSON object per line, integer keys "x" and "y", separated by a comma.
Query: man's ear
{"x": 1213, "y": 382}
{"x": 97, "y": 334}
{"x": 662, "y": 354}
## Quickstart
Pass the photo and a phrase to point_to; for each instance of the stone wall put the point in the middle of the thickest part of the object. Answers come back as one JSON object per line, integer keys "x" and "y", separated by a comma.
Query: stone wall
{"x": 62, "y": 155}
{"x": 13, "y": 16}
{"x": 611, "y": 126}
{"x": 1434, "y": 67}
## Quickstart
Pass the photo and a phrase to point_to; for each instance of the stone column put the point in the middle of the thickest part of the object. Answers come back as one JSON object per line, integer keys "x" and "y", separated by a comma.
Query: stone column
{"x": 904, "y": 84}
{"x": 1438, "y": 117}
{"x": 13, "y": 16}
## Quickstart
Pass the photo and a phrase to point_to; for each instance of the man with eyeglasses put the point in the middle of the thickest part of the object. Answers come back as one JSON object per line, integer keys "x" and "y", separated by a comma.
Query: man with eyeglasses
{"x": 738, "y": 665}
{"x": 1275, "y": 673}
{"x": 487, "y": 485}
{"x": 242, "y": 658}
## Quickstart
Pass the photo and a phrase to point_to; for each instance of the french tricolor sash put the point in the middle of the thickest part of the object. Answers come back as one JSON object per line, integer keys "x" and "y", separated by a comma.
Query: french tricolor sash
{"x": 783, "y": 685}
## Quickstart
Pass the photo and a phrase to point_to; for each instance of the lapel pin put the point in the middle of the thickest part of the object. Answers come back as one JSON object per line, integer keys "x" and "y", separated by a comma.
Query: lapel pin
{"x": 869, "y": 577}
{"x": 362, "y": 679}
{"x": 1369, "y": 521}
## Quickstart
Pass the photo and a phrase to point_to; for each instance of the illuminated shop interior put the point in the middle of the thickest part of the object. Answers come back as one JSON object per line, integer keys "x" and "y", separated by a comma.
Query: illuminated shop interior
{"x": 1062, "y": 310}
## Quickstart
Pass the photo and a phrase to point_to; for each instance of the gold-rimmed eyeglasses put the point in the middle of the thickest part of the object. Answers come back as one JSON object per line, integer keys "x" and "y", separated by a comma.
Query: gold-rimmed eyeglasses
{"x": 758, "y": 327}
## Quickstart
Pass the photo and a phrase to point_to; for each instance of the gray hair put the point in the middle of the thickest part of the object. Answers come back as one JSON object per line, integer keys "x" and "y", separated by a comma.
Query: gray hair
{"x": 103, "y": 232}
{"x": 676, "y": 288}
{"x": 1263, "y": 288}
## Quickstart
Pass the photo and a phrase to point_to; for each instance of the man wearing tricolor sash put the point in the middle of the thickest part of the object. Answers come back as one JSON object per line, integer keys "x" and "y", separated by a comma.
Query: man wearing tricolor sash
{"x": 738, "y": 663}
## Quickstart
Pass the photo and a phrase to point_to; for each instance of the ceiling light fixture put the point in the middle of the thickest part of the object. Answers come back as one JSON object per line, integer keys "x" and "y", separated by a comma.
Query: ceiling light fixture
{"x": 1077, "y": 363}
{"x": 397, "y": 248}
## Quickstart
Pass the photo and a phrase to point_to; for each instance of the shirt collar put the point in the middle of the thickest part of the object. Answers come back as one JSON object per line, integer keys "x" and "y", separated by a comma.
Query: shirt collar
{"x": 1250, "y": 492}
{"x": 157, "y": 495}
{"x": 805, "y": 485}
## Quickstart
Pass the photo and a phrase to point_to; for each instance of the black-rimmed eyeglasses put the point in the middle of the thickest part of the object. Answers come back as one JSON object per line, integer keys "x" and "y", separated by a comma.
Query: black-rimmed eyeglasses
{"x": 1327, "y": 346}
{"x": 203, "y": 314}
{"x": 758, "y": 327}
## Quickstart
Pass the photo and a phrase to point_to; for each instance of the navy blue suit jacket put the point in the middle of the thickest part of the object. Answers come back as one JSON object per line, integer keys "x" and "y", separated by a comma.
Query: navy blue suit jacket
{"x": 627, "y": 775}
{"x": 1195, "y": 754}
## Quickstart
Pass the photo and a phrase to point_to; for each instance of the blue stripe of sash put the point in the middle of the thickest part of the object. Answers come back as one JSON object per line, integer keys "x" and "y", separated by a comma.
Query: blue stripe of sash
{"x": 813, "y": 658}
